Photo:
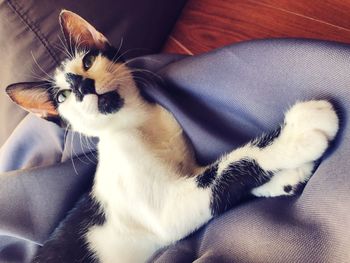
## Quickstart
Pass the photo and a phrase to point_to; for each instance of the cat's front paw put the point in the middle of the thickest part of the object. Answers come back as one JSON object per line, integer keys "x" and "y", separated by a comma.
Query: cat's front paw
{"x": 309, "y": 126}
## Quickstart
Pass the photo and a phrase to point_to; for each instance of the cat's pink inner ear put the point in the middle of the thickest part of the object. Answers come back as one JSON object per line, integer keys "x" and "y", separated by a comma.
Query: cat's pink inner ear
{"x": 33, "y": 98}
{"x": 80, "y": 33}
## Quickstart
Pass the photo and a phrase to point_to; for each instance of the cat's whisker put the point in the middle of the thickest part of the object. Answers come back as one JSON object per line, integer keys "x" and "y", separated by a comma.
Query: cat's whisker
{"x": 142, "y": 82}
{"x": 127, "y": 77}
{"x": 145, "y": 58}
{"x": 37, "y": 77}
{"x": 138, "y": 70}
{"x": 71, "y": 48}
{"x": 90, "y": 145}
{"x": 76, "y": 154}
{"x": 149, "y": 72}
{"x": 36, "y": 62}
{"x": 78, "y": 45}
{"x": 111, "y": 63}
{"x": 83, "y": 146}
{"x": 56, "y": 46}
{"x": 137, "y": 78}
{"x": 124, "y": 53}
{"x": 65, "y": 134}
{"x": 71, "y": 154}
{"x": 77, "y": 42}
{"x": 64, "y": 45}
{"x": 120, "y": 45}
{"x": 131, "y": 49}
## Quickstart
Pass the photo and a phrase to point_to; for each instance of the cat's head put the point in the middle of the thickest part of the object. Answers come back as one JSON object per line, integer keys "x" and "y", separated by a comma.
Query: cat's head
{"x": 93, "y": 90}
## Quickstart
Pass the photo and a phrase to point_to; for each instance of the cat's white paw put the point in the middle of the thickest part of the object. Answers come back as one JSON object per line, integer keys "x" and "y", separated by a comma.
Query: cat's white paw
{"x": 309, "y": 126}
{"x": 285, "y": 182}
{"x": 313, "y": 116}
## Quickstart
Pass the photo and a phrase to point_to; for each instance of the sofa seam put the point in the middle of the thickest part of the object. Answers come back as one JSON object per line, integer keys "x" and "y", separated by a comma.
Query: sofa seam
{"x": 31, "y": 25}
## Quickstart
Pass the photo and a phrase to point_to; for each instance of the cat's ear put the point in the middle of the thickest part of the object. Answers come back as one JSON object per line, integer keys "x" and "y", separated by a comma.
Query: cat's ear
{"x": 80, "y": 33}
{"x": 34, "y": 97}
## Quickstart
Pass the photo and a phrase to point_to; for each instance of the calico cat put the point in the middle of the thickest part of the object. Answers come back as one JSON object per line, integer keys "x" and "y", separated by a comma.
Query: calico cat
{"x": 148, "y": 191}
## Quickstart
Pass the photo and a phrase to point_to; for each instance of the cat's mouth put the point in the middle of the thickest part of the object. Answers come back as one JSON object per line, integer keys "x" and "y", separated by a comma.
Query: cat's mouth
{"x": 107, "y": 103}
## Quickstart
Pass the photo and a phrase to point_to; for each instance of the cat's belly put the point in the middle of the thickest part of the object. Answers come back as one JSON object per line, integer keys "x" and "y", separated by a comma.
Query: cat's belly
{"x": 134, "y": 198}
{"x": 130, "y": 197}
{"x": 146, "y": 204}
{"x": 143, "y": 213}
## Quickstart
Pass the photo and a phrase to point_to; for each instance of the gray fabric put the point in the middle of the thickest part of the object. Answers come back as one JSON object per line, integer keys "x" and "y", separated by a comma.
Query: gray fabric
{"x": 45, "y": 143}
{"x": 228, "y": 96}
{"x": 33, "y": 202}
{"x": 30, "y": 35}
{"x": 19, "y": 153}
{"x": 222, "y": 99}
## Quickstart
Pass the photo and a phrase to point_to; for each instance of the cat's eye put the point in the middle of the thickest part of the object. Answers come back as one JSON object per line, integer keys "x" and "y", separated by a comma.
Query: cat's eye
{"x": 88, "y": 60}
{"x": 62, "y": 95}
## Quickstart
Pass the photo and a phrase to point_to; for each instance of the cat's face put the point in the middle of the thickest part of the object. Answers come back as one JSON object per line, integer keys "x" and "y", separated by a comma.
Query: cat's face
{"x": 93, "y": 90}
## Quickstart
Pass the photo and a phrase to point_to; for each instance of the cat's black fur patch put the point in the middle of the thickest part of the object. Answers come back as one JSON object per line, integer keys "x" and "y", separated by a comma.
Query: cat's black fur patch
{"x": 93, "y": 52}
{"x": 235, "y": 182}
{"x": 73, "y": 80}
{"x": 298, "y": 188}
{"x": 287, "y": 188}
{"x": 110, "y": 102}
{"x": 80, "y": 86}
{"x": 87, "y": 86}
{"x": 112, "y": 54}
{"x": 207, "y": 178}
{"x": 67, "y": 243}
{"x": 267, "y": 139}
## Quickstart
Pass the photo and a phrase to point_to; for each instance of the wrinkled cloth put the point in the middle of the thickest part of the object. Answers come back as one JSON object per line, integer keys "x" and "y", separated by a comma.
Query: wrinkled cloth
{"x": 222, "y": 99}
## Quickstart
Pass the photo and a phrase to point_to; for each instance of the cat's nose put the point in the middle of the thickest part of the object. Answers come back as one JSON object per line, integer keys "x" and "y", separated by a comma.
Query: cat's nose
{"x": 87, "y": 86}
{"x": 80, "y": 86}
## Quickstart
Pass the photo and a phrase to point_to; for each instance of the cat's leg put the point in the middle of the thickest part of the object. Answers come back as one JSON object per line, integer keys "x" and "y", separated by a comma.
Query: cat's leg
{"x": 287, "y": 153}
{"x": 291, "y": 150}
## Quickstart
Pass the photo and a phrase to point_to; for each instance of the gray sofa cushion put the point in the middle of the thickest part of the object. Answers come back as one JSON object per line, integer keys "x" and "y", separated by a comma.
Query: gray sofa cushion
{"x": 29, "y": 28}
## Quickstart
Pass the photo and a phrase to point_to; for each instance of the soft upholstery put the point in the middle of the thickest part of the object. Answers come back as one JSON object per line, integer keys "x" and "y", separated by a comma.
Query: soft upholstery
{"x": 30, "y": 32}
{"x": 222, "y": 99}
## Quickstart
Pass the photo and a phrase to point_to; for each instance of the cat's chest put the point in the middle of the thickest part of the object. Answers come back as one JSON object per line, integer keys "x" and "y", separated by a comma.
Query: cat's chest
{"x": 129, "y": 172}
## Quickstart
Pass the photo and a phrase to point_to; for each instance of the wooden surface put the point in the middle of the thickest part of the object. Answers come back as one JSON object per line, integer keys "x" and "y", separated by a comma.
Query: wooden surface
{"x": 208, "y": 24}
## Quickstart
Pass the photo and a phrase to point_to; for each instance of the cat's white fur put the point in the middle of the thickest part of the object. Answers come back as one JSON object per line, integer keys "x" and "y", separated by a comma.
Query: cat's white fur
{"x": 145, "y": 178}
